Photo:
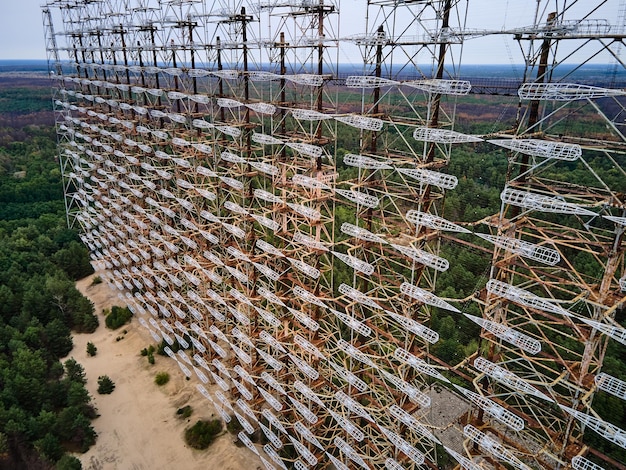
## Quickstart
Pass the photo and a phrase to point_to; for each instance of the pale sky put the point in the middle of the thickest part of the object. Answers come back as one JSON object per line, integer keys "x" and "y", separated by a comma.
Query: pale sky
{"x": 22, "y": 37}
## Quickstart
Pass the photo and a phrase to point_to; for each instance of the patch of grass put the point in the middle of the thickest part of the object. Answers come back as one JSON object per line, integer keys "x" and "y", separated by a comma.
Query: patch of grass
{"x": 184, "y": 412}
{"x": 203, "y": 433}
{"x": 162, "y": 378}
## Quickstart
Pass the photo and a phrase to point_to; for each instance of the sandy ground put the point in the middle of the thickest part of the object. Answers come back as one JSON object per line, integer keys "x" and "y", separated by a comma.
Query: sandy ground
{"x": 138, "y": 427}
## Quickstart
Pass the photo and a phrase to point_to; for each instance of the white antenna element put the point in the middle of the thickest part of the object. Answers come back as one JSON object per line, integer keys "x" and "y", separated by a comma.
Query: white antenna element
{"x": 267, "y": 196}
{"x": 403, "y": 446}
{"x": 229, "y": 130}
{"x": 244, "y": 438}
{"x": 269, "y": 450}
{"x": 353, "y": 352}
{"x": 493, "y": 409}
{"x": 415, "y": 327}
{"x": 541, "y": 148}
{"x": 441, "y": 180}
{"x": 355, "y": 263}
{"x": 615, "y": 332}
{"x": 507, "y": 378}
{"x": 305, "y": 149}
{"x": 307, "y": 392}
{"x": 581, "y": 463}
{"x": 564, "y": 92}
{"x": 361, "y": 122}
{"x": 466, "y": 464}
{"x": 426, "y": 297}
{"x": 305, "y": 79}
{"x": 308, "y": 346}
{"x": 541, "y": 202}
{"x": 368, "y": 81}
{"x": 307, "y": 434}
{"x": 411, "y": 422}
{"x": 267, "y": 271}
{"x": 228, "y": 103}
{"x": 262, "y": 76}
{"x": 361, "y": 233}
{"x": 266, "y": 168}
{"x": 269, "y": 223}
{"x": 611, "y": 385}
{"x": 359, "y": 198}
{"x": 270, "y": 296}
{"x": 308, "y": 297}
{"x": 358, "y": 296}
{"x": 366, "y": 163}
{"x": 412, "y": 392}
{"x": 423, "y": 257}
{"x": 538, "y": 253}
{"x": 391, "y": 464}
{"x": 273, "y": 438}
{"x": 491, "y": 446}
{"x": 309, "y": 115}
{"x": 617, "y": 220}
{"x": 309, "y": 182}
{"x": 307, "y": 269}
{"x": 418, "y": 364}
{"x": 232, "y": 158}
{"x": 347, "y": 449}
{"x": 306, "y": 240}
{"x": 522, "y": 341}
{"x": 303, "y": 451}
{"x": 348, "y": 426}
{"x": 303, "y": 410}
{"x": 265, "y": 139}
{"x": 434, "y": 222}
{"x": 523, "y": 297}
{"x": 441, "y": 87}
{"x": 349, "y": 377}
{"x": 353, "y": 323}
{"x": 268, "y": 317}
{"x": 262, "y": 108}
{"x": 202, "y": 124}
{"x": 353, "y": 406}
{"x": 306, "y": 369}
{"x": 607, "y": 430}
{"x": 274, "y": 403}
{"x": 272, "y": 382}
{"x": 443, "y": 136}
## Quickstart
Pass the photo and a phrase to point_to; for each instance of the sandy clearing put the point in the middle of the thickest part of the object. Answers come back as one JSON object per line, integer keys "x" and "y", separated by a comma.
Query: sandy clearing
{"x": 138, "y": 427}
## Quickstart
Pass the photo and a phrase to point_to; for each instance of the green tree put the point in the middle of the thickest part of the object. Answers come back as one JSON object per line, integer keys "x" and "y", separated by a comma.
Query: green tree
{"x": 105, "y": 385}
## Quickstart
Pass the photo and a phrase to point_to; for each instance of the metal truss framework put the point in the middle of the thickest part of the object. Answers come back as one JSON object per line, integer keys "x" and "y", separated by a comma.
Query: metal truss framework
{"x": 198, "y": 148}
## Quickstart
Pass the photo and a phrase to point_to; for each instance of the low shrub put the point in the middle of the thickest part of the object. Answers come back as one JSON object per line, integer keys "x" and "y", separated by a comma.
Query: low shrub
{"x": 117, "y": 317}
{"x": 184, "y": 412}
{"x": 162, "y": 378}
{"x": 203, "y": 433}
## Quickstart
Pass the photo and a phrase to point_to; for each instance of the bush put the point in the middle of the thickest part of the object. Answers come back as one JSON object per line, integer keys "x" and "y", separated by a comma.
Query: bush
{"x": 184, "y": 412}
{"x": 68, "y": 462}
{"x": 203, "y": 433}
{"x": 162, "y": 378}
{"x": 105, "y": 385}
{"x": 91, "y": 349}
{"x": 96, "y": 280}
{"x": 117, "y": 317}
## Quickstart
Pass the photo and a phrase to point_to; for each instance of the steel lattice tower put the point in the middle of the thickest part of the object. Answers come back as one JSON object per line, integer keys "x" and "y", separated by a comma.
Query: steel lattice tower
{"x": 296, "y": 280}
